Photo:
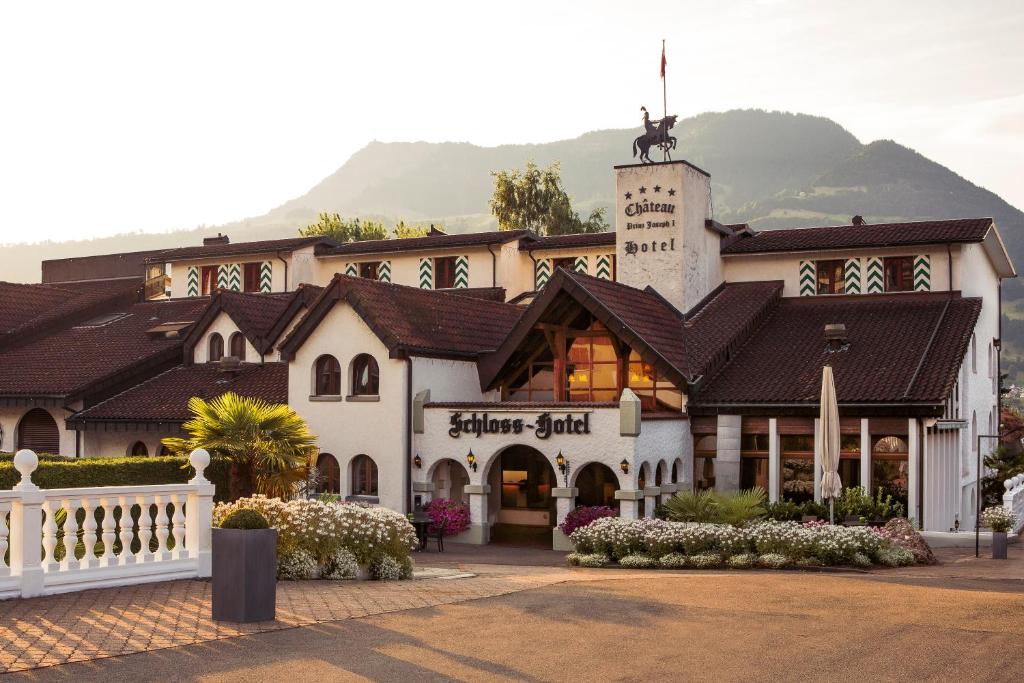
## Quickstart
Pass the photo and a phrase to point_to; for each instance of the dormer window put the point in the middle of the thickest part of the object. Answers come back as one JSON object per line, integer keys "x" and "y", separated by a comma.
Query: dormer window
{"x": 216, "y": 348}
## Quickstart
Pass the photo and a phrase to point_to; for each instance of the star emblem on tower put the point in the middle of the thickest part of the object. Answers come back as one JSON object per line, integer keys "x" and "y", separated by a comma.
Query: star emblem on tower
{"x": 671, "y": 192}
{"x": 643, "y": 190}
{"x": 657, "y": 188}
{"x": 629, "y": 195}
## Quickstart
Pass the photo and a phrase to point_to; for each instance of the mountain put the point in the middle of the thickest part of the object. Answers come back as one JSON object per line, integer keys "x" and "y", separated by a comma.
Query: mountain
{"x": 769, "y": 169}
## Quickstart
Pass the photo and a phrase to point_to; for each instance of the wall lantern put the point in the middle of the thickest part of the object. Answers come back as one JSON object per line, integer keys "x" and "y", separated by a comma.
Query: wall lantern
{"x": 624, "y": 466}
{"x": 418, "y": 461}
{"x": 560, "y": 461}
{"x": 471, "y": 459}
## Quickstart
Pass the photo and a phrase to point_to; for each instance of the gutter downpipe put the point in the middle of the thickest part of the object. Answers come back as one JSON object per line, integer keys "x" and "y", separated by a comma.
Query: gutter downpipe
{"x": 494, "y": 267}
{"x": 278, "y": 255}
{"x": 408, "y": 433}
{"x": 529, "y": 252}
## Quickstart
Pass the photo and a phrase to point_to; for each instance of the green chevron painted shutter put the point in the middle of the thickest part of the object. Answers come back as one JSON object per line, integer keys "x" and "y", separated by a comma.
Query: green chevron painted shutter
{"x": 542, "y": 273}
{"x": 235, "y": 277}
{"x": 266, "y": 271}
{"x": 876, "y": 279}
{"x": 604, "y": 266}
{"x": 384, "y": 271}
{"x": 851, "y": 275}
{"x": 462, "y": 272}
{"x": 922, "y": 273}
{"x": 426, "y": 273}
{"x": 808, "y": 275}
{"x": 580, "y": 265}
{"x": 222, "y": 277}
{"x": 192, "y": 281}
{"x": 351, "y": 270}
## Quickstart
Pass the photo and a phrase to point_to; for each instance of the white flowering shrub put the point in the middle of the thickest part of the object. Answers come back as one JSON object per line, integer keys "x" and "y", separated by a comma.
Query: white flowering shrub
{"x": 637, "y": 561}
{"x": 594, "y": 560}
{"x": 895, "y": 556}
{"x": 386, "y": 568}
{"x": 998, "y": 518}
{"x": 340, "y": 565}
{"x": 774, "y": 561}
{"x": 322, "y": 529}
{"x": 705, "y": 561}
{"x": 296, "y": 565}
{"x": 860, "y": 560}
{"x": 673, "y": 561}
{"x": 742, "y": 561}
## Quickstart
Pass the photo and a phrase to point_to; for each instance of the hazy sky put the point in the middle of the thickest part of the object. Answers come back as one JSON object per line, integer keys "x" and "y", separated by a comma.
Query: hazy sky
{"x": 144, "y": 116}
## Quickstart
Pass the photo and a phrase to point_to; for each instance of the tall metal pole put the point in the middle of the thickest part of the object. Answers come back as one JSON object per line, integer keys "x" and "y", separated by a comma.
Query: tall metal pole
{"x": 664, "y": 86}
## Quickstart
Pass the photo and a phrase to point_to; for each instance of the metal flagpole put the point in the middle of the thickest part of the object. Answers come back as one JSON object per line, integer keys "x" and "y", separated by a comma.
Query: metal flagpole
{"x": 664, "y": 98}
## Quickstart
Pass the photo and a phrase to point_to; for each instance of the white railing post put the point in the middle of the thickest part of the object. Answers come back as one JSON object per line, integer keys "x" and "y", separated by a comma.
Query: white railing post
{"x": 27, "y": 527}
{"x": 199, "y": 515}
{"x": 1013, "y": 499}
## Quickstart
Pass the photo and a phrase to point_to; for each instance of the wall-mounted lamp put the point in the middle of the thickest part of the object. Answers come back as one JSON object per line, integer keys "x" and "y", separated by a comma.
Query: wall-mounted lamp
{"x": 624, "y": 466}
{"x": 471, "y": 459}
{"x": 560, "y": 461}
{"x": 418, "y": 461}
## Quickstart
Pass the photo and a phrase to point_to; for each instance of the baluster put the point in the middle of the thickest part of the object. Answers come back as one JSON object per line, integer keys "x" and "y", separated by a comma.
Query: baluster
{"x": 4, "y": 509}
{"x": 145, "y": 529}
{"x": 69, "y": 537}
{"x": 109, "y": 535}
{"x": 179, "y": 528}
{"x": 50, "y": 563}
{"x": 162, "y": 530}
{"x": 89, "y": 537}
{"x": 126, "y": 533}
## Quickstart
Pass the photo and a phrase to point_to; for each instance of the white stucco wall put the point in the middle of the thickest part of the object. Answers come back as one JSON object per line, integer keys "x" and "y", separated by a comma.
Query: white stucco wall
{"x": 448, "y": 380}
{"x": 405, "y": 266}
{"x": 179, "y": 270}
{"x": 99, "y": 444}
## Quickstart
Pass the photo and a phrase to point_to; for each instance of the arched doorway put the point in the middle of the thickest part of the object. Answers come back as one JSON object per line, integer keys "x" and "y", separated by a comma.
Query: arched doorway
{"x": 597, "y": 484}
{"x": 38, "y": 432}
{"x": 138, "y": 449}
{"x": 521, "y": 505}
{"x": 329, "y": 480}
{"x": 449, "y": 479}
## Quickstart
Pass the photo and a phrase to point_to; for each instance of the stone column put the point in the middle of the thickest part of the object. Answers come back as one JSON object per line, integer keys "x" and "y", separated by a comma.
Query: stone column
{"x": 479, "y": 531}
{"x": 914, "y": 472}
{"x": 667, "y": 491}
{"x": 198, "y": 515}
{"x": 817, "y": 459}
{"x": 774, "y": 460}
{"x": 26, "y": 527}
{"x": 865, "y": 454}
{"x": 565, "y": 499}
{"x": 652, "y": 494}
{"x": 727, "y": 459}
{"x": 424, "y": 489}
{"x": 627, "y": 498}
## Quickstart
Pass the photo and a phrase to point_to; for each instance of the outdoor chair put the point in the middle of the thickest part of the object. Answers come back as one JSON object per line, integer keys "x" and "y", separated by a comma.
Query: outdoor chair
{"x": 438, "y": 532}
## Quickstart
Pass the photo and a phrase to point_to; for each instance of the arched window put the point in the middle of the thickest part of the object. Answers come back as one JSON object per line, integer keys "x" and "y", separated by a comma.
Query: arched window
{"x": 364, "y": 476}
{"x": 365, "y": 376}
{"x": 327, "y": 376}
{"x": 216, "y": 351}
{"x": 237, "y": 346}
{"x": 138, "y": 449}
{"x": 675, "y": 472}
{"x": 330, "y": 474}
{"x": 38, "y": 431}
{"x": 164, "y": 450}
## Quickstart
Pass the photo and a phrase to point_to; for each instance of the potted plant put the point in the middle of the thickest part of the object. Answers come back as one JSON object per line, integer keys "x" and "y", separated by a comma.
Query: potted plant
{"x": 999, "y": 520}
{"x": 244, "y": 568}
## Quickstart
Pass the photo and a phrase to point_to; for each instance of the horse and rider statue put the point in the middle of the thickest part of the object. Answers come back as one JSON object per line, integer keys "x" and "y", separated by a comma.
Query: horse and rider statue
{"x": 655, "y": 135}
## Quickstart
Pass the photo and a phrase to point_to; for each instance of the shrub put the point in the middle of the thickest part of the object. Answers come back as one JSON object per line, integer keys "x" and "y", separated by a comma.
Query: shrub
{"x": 774, "y": 561}
{"x": 454, "y": 514}
{"x": 705, "y": 561}
{"x": 340, "y": 565}
{"x": 584, "y": 515}
{"x": 673, "y": 561}
{"x": 637, "y": 561}
{"x": 998, "y": 518}
{"x": 244, "y": 518}
{"x": 784, "y": 511}
{"x": 861, "y": 560}
{"x": 742, "y": 561}
{"x": 386, "y": 568}
{"x": 734, "y": 507}
{"x": 297, "y": 565}
{"x": 901, "y": 533}
{"x": 692, "y": 506}
{"x": 594, "y": 560}
{"x": 895, "y": 556}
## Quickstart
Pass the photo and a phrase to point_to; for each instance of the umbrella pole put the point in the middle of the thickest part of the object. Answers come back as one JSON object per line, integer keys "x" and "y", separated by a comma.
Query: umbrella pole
{"x": 832, "y": 510}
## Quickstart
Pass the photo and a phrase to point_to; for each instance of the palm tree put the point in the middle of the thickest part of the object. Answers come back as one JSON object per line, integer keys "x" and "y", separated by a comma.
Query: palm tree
{"x": 268, "y": 445}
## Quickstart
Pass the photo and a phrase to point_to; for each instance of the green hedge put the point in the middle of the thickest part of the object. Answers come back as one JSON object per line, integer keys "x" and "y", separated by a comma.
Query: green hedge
{"x": 132, "y": 471}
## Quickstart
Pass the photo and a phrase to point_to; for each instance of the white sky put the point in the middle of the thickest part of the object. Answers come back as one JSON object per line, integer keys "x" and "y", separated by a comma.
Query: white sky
{"x": 132, "y": 116}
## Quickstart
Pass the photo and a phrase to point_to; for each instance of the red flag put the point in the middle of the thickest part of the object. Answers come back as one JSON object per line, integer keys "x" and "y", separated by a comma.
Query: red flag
{"x": 663, "y": 62}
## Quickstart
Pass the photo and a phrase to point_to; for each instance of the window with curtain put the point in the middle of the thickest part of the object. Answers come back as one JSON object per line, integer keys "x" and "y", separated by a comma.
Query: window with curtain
{"x": 364, "y": 476}
{"x": 327, "y": 376}
{"x": 899, "y": 273}
{"x": 365, "y": 376}
{"x": 216, "y": 348}
{"x": 444, "y": 272}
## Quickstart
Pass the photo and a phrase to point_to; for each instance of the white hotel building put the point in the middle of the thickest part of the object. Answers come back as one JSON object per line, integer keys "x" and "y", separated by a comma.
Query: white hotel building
{"x": 525, "y": 374}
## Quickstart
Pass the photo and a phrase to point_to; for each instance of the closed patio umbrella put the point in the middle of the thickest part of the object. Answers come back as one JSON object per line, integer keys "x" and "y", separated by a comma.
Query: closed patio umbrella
{"x": 831, "y": 486}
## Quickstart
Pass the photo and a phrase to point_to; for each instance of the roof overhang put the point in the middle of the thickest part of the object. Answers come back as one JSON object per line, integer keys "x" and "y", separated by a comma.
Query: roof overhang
{"x": 995, "y": 249}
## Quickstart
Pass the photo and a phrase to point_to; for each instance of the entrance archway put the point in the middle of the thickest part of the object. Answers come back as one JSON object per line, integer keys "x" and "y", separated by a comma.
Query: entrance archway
{"x": 597, "y": 484}
{"x": 449, "y": 479}
{"x": 520, "y": 503}
{"x": 38, "y": 432}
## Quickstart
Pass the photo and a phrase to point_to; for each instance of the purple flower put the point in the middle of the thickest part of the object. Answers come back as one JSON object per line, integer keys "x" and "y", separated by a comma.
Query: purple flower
{"x": 582, "y": 516}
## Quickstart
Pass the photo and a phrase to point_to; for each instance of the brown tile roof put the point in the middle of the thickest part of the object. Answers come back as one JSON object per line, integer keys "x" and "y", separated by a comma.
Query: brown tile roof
{"x": 854, "y": 236}
{"x": 413, "y": 321}
{"x": 164, "y": 398}
{"x": 485, "y": 293}
{"x": 892, "y": 355}
{"x": 438, "y": 241}
{"x": 593, "y": 239}
{"x": 239, "y": 249}
{"x": 82, "y": 357}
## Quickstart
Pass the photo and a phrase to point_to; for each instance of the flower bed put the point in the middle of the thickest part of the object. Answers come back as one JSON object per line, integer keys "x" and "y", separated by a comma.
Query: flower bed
{"x": 453, "y": 515}
{"x": 642, "y": 543}
{"x": 584, "y": 515}
{"x": 331, "y": 540}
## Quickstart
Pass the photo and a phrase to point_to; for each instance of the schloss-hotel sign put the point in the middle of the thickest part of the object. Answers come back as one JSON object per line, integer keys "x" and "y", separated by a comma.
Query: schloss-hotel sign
{"x": 543, "y": 427}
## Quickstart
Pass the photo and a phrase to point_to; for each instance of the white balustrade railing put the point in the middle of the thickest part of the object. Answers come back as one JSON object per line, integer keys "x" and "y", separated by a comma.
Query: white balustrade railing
{"x": 1013, "y": 499}
{"x": 62, "y": 540}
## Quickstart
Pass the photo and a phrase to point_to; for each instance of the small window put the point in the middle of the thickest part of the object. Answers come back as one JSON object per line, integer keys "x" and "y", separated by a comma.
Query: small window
{"x": 365, "y": 376}
{"x": 368, "y": 270}
{"x": 237, "y": 345}
{"x": 567, "y": 262}
{"x": 251, "y": 277}
{"x": 209, "y": 278}
{"x": 364, "y": 476}
{"x": 37, "y": 431}
{"x": 831, "y": 278}
{"x": 329, "y": 480}
{"x": 327, "y": 376}
{"x": 444, "y": 272}
{"x": 216, "y": 351}
{"x": 139, "y": 449}
{"x": 899, "y": 274}
{"x": 164, "y": 450}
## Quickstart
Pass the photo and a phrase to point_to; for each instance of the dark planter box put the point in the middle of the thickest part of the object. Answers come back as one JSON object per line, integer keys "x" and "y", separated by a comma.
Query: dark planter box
{"x": 244, "y": 574}
{"x": 998, "y": 545}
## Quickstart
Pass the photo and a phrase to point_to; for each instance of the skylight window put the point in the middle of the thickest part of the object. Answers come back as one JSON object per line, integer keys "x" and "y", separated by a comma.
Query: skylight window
{"x": 102, "y": 320}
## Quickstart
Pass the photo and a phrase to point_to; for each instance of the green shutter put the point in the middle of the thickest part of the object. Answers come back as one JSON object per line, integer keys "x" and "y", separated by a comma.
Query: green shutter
{"x": 235, "y": 277}
{"x": 922, "y": 273}
{"x": 808, "y": 275}
{"x": 266, "y": 270}
{"x": 604, "y": 266}
{"x": 851, "y": 275}
{"x": 384, "y": 271}
{"x": 192, "y": 281}
{"x": 462, "y": 272}
{"x": 351, "y": 270}
{"x": 426, "y": 273}
{"x": 876, "y": 279}
{"x": 580, "y": 265}
{"x": 542, "y": 273}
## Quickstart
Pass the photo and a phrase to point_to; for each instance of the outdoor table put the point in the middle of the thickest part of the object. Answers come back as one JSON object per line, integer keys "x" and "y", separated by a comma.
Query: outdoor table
{"x": 421, "y": 522}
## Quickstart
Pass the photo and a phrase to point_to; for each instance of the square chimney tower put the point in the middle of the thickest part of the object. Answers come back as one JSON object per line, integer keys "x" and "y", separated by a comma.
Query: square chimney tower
{"x": 661, "y": 211}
